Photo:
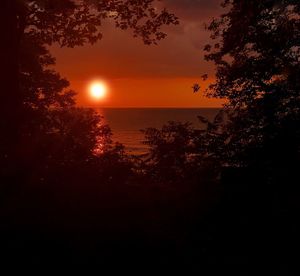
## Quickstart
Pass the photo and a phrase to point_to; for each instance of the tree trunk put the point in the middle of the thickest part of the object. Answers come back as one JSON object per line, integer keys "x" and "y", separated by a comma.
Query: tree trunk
{"x": 10, "y": 97}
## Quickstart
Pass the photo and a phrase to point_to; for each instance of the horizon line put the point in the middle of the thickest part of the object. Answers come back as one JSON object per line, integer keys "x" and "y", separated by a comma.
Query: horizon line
{"x": 150, "y": 107}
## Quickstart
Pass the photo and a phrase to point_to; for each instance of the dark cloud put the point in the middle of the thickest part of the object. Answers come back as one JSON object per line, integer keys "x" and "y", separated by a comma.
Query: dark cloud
{"x": 193, "y": 16}
{"x": 196, "y": 10}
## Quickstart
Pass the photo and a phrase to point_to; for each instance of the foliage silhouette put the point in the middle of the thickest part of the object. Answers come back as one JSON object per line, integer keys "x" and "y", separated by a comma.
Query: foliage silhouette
{"x": 258, "y": 73}
{"x": 255, "y": 47}
{"x": 179, "y": 151}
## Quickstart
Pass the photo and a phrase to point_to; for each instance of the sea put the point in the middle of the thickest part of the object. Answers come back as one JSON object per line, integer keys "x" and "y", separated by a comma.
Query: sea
{"x": 127, "y": 123}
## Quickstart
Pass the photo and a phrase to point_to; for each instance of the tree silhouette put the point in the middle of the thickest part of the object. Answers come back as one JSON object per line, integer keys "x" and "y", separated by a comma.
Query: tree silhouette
{"x": 169, "y": 149}
{"x": 255, "y": 47}
{"x": 256, "y": 52}
{"x": 184, "y": 156}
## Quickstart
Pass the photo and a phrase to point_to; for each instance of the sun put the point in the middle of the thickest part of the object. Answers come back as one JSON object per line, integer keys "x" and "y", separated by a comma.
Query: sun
{"x": 98, "y": 90}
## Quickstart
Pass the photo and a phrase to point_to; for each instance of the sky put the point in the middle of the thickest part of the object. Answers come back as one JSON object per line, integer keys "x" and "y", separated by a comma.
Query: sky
{"x": 138, "y": 75}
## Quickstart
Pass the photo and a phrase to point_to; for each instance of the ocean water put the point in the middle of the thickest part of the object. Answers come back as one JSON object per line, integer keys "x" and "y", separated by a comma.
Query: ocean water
{"x": 126, "y": 123}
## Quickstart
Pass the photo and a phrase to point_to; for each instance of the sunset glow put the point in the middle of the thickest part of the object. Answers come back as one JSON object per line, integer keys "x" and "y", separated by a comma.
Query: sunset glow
{"x": 98, "y": 90}
{"x": 139, "y": 76}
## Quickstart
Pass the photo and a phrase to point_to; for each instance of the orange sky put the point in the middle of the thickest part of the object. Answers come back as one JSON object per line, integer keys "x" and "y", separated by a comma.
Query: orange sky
{"x": 146, "y": 76}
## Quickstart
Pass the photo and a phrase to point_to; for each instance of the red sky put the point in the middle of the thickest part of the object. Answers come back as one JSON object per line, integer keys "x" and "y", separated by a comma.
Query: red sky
{"x": 146, "y": 76}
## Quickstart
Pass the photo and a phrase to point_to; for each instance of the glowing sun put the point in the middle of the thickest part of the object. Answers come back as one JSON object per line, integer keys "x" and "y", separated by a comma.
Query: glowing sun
{"x": 98, "y": 90}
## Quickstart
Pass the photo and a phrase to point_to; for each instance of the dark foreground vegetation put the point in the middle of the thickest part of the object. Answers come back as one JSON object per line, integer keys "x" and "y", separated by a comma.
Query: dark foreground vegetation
{"x": 220, "y": 199}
